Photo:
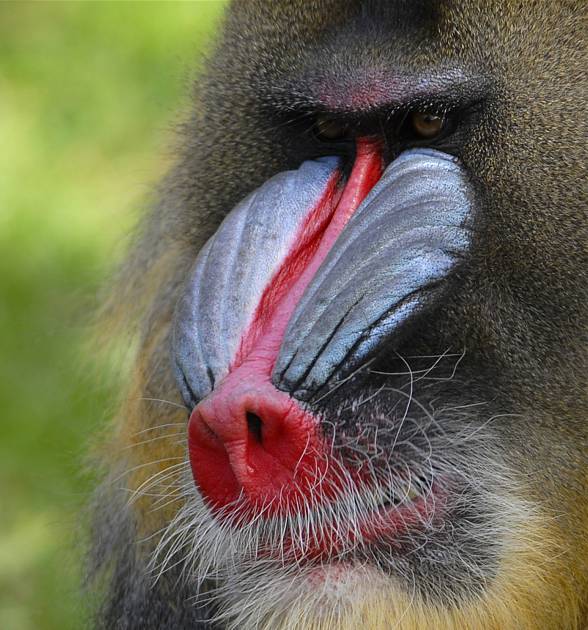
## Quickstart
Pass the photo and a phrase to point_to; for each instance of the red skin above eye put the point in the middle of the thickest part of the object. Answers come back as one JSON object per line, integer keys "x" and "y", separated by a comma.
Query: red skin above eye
{"x": 228, "y": 460}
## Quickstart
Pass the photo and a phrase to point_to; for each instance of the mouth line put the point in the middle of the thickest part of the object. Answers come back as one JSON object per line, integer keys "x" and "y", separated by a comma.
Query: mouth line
{"x": 369, "y": 524}
{"x": 391, "y": 521}
{"x": 384, "y": 526}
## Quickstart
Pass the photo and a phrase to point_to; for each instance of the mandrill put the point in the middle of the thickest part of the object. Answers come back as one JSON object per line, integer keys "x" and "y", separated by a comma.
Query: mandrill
{"x": 358, "y": 397}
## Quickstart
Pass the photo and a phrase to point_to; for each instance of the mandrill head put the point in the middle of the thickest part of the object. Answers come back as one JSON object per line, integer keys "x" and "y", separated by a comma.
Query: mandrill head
{"x": 364, "y": 296}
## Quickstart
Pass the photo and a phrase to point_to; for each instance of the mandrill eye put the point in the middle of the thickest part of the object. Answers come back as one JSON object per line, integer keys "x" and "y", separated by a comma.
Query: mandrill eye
{"x": 329, "y": 129}
{"x": 426, "y": 125}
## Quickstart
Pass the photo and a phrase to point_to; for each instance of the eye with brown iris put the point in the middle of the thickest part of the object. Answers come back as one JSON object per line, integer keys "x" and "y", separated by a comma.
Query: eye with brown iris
{"x": 331, "y": 129}
{"x": 426, "y": 125}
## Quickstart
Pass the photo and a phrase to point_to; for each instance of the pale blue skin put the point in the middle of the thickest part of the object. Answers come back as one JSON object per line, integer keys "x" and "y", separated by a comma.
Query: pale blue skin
{"x": 403, "y": 240}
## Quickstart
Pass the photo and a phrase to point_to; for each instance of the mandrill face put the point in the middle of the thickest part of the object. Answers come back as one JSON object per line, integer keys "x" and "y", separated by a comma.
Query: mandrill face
{"x": 364, "y": 291}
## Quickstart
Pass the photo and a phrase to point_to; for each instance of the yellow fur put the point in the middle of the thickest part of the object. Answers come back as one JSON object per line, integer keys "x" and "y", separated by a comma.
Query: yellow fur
{"x": 530, "y": 593}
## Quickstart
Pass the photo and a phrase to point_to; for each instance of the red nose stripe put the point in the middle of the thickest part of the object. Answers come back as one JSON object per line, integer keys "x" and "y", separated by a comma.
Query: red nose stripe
{"x": 316, "y": 238}
{"x": 247, "y": 439}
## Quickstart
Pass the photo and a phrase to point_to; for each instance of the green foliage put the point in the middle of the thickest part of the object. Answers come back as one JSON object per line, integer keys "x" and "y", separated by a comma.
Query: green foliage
{"x": 89, "y": 91}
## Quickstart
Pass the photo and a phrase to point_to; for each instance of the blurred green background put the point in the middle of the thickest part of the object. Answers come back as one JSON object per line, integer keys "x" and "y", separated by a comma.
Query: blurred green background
{"x": 89, "y": 92}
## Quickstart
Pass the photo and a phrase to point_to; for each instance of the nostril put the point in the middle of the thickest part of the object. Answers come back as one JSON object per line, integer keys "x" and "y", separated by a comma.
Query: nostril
{"x": 252, "y": 445}
{"x": 254, "y": 426}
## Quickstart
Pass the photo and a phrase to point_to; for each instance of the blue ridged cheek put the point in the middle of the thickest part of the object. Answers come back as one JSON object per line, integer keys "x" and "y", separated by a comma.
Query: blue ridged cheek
{"x": 399, "y": 246}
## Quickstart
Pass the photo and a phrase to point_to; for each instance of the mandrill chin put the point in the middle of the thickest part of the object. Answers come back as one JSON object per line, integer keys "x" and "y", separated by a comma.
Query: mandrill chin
{"x": 359, "y": 393}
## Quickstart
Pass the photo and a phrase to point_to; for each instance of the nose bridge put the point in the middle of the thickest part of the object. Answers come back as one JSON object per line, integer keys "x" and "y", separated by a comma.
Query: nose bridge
{"x": 247, "y": 438}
